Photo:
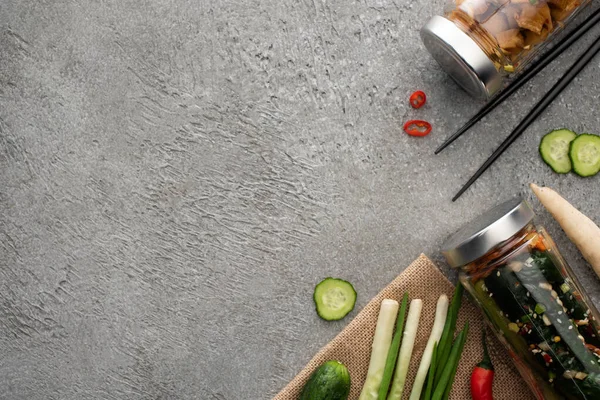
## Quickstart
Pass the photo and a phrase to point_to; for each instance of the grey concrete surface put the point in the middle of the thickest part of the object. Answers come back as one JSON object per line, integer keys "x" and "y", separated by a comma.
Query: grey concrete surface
{"x": 176, "y": 176}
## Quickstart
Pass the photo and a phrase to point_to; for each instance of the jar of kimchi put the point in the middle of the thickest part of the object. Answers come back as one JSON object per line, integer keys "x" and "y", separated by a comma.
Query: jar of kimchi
{"x": 480, "y": 42}
{"x": 532, "y": 301}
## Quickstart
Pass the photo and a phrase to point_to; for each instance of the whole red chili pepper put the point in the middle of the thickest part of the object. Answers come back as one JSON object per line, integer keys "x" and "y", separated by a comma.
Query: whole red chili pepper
{"x": 483, "y": 376}
{"x": 416, "y": 127}
{"x": 418, "y": 99}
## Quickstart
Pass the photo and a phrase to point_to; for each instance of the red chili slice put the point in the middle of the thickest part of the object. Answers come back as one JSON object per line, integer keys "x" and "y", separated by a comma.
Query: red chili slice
{"x": 416, "y": 127}
{"x": 418, "y": 99}
{"x": 547, "y": 358}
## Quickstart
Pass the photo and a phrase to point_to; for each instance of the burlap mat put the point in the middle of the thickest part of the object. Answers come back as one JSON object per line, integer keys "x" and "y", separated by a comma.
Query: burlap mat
{"x": 423, "y": 280}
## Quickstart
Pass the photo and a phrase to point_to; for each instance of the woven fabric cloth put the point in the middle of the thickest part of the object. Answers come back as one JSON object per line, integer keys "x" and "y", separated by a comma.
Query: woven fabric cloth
{"x": 423, "y": 280}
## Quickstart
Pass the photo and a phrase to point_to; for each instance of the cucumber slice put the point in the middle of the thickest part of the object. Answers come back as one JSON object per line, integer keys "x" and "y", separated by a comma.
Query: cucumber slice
{"x": 585, "y": 154}
{"x": 334, "y": 298}
{"x": 554, "y": 149}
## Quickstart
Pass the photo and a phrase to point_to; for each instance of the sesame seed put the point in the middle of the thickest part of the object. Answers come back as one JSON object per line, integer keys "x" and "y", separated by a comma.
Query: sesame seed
{"x": 498, "y": 273}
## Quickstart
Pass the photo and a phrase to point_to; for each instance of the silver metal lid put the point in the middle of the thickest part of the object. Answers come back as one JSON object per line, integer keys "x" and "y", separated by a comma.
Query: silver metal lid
{"x": 461, "y": 58}
{"x": 481, "y": 235}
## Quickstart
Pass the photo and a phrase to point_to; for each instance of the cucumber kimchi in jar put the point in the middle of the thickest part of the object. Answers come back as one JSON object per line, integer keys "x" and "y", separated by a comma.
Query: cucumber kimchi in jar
{"x": 532, "y": 301}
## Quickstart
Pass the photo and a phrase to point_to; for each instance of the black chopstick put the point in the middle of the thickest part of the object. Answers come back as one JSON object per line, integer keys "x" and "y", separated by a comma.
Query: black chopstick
{"x": 548, "y": 98}
{"x": 522, "y": 79}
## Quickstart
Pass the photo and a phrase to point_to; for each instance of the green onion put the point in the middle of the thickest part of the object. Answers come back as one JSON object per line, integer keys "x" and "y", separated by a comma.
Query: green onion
{"x": 445, "y": 343}
{"x": 455, "y": 367}
{"x": 431, "y": 375}
{"x": 392, "y": 356}
{"x": 441, "y": 312}
{"x": 406, "y": 350}
{"x": 539, "y": 308}
{"x": 513, "y": 327}
{"x": 442, "y": 390}
{"x": 382, "y": 340}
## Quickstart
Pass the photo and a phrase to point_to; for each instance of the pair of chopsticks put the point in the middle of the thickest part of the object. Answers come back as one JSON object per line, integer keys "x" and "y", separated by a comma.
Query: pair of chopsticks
{"x": 548, "y": 98}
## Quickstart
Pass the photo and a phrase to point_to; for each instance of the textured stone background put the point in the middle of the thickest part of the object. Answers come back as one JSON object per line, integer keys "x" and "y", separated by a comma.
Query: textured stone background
{"x": 176, "y": 176}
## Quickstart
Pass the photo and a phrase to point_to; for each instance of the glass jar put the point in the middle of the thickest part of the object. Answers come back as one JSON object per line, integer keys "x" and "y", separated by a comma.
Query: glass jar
{"x": 532, "y": 300}
{"x": 480, "y": 42}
